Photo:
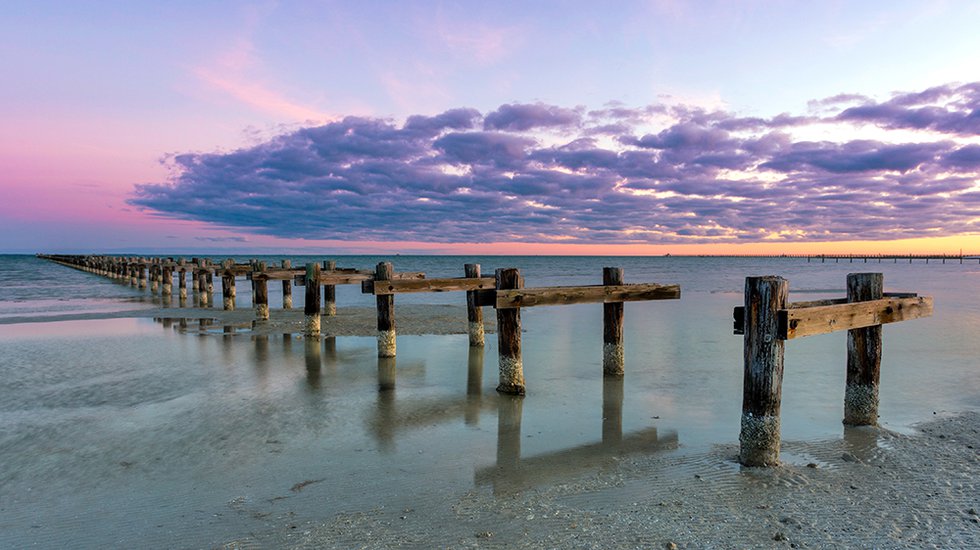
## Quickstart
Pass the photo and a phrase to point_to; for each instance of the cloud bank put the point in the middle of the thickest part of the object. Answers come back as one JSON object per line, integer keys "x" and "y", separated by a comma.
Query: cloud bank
{"x": 655, "y": 174}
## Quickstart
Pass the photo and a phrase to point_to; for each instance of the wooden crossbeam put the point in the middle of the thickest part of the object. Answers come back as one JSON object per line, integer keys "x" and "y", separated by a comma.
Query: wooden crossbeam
{"x": 433, "y": 285}
{"x": 810, "y": 321}
{"x": 564, "y": 295}
{"x": 367, "y": 285}
{"x": 739, "y": 312}
{"x": 278, "y": 274}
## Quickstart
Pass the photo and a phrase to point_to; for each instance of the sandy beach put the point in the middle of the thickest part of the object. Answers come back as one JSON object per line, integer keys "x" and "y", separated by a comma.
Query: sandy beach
{"x": 870, "y": 489}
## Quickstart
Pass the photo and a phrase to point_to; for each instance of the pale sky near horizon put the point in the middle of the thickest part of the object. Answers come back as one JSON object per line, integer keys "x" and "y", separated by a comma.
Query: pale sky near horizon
{"x": 474, "y": 127}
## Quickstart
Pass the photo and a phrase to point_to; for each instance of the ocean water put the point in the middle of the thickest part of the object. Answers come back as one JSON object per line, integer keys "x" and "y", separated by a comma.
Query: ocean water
{"x": 118, "y": 430}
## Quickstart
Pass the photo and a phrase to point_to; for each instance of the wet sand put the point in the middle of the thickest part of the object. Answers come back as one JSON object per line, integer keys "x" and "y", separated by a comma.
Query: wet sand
{"x": 870, "y": 489}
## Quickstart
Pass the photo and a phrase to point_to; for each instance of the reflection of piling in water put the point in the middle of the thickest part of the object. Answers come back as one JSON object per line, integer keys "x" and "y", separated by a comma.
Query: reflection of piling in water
{"x": 330, "y": 349}
{"x": 311, "y": 349}
{"x": 386, "y": 420}
{"x": 474, "y": 386}
{"x": 567, "y": 464}
{"x": 612, "y": 409}
{"x": 386, "y": 373}
{"x": 261, "y": 348}
{"x": 509, "y": 412}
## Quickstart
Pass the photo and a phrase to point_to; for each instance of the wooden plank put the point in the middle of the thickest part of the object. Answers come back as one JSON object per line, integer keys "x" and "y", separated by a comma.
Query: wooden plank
{"x": 433, "y": 285}
{"x": 564, "y": 295}
{"x": 739, "y": 311}
{"x": 279, "y": 274}
{"x": 800, "y": 322}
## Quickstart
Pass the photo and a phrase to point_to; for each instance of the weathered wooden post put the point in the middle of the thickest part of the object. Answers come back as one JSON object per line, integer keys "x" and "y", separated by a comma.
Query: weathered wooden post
{"x": 329, "y": 291}
{"x": 182, "y": 285}
{"x": 287, "y": 288}
{"x": 612, "y": 327}
{"x": 311, "y": 307}
{"x": 863, "y": 355}
{"x": 195, "y": 283}
{"x": 763, "y": 374}
{"x": 133, "y": 273}
{"x": 509, "y": 336}
{"x": 474, "y": 313}
{"x": 228, "y": 284}
{"x": 261, "y": 296}
{"x": 142, "y": 274}
{"x": 386, "y": 311}
{"x": 167, "y": 276}
{"x": 204, "y": 295}
{"x": 154, "y": 277}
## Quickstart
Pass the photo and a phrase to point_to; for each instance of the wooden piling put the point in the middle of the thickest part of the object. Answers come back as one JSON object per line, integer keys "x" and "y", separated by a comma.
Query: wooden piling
{"x": 141, "y": 269}
{"x": 509, "y": 336}
{"x": 261, "y": 296}
{"x": 204, "y": 295}
{"x": 329, "y": 291}
{"x": 181, "y": 281}
{"x": 287, "y": 288}
{"x": 154, "y": 277}
{"x": 612, "y": 327}
{"x": 228, "y": 284}
{"x": 474, "y": 313}
{"x": 863, "y": 355}
{"x": 763, "y": 372}
{"x": 386, "y": 312}
{"x": 167, "y": 278}
{"x": 311, "y": 306}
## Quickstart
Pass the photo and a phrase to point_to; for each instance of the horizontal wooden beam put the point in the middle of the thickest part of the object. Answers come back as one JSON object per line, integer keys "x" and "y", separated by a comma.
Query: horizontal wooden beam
{"x": 433, "y": 285}
{"x": 739, "y": 312}
{"x": 810, "y": 321}
{"x": 564, "y": 295}
{"x": 278, "y": 274}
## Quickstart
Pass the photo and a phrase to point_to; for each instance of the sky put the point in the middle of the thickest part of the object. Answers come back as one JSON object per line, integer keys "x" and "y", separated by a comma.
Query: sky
{"x": 648, "y": 127}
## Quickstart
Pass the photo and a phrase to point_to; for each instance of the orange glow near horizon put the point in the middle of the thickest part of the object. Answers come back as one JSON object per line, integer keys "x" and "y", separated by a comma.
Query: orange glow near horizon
{"x": 965, "y": 244}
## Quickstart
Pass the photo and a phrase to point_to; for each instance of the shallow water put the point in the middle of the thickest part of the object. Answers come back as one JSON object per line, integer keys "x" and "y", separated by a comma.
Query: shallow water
{"x": 135, "y": 432}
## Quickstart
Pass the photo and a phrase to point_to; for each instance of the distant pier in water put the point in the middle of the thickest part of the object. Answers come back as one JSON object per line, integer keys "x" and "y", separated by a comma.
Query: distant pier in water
{"x": 860, "y": 258}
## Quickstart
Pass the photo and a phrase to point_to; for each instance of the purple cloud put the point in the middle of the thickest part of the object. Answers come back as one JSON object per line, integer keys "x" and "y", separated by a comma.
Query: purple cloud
{"x": 615, "y": 178}
{"x": 520, "y": 117}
